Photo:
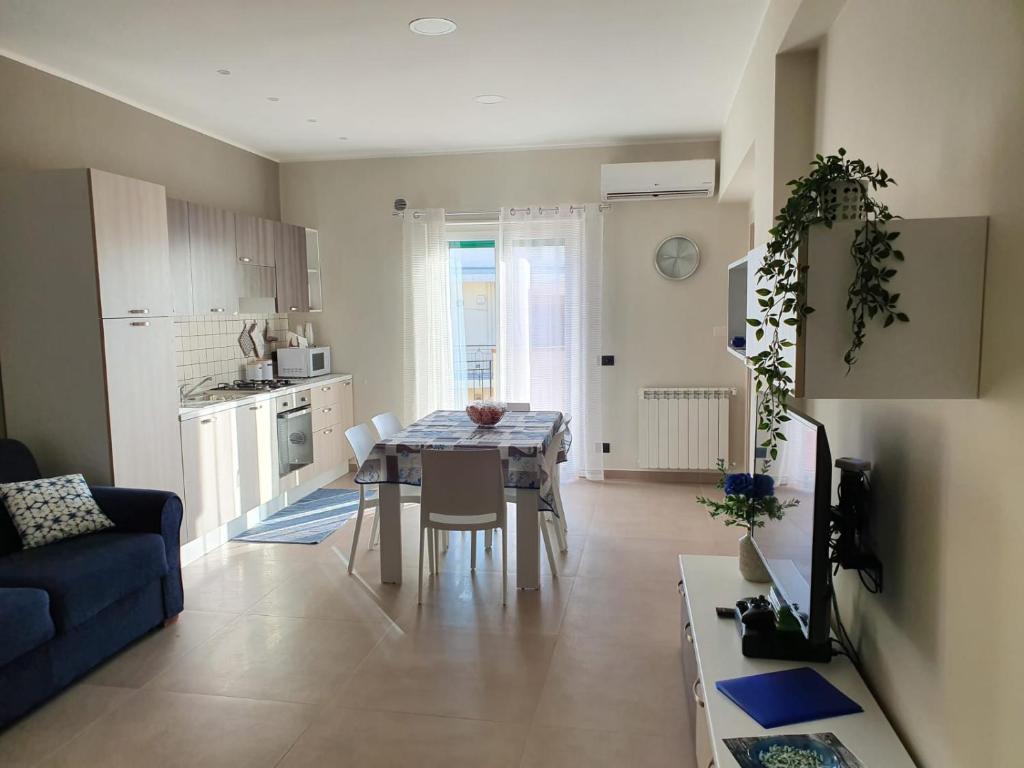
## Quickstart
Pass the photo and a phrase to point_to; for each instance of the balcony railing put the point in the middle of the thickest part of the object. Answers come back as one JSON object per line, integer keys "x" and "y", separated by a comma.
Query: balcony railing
{"x": 479, "y": 373}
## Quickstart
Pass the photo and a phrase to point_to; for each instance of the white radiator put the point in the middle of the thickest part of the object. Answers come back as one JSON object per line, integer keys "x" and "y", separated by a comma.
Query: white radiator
{"x": 684, "y": 427}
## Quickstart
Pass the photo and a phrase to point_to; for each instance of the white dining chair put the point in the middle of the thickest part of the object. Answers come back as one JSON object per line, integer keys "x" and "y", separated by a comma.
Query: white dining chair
{"x": 387, "y": 424}
{"x": 362, "y": 441}
{"x": 462, "y": 491}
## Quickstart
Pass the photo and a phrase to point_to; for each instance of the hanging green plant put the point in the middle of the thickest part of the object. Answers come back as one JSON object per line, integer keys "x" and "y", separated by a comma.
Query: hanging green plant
{"x": 836, "y": 188}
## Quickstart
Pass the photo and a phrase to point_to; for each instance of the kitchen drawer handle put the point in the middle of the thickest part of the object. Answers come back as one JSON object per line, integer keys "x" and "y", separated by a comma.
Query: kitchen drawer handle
{"x": 326, "y": 410}
{"x": 698, "y": 699}
{"x": 328, "y": 431}
{"x": 138, "y": 311}
{"x": 293, "y": 309}
{"x": 679, "y": 587}
{"x": 325, "y": 389}
{"x": 255, "y": 407}
{"x": 208, "y": 421}
{"x": 246, "y": 259}
{"x": 687, "y": 633}
{"x": 140, "y": 324}
{"x": 216, "y": 309}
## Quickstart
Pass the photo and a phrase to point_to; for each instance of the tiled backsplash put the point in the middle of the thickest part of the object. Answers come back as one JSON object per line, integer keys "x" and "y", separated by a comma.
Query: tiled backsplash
{"x": 205, "y": 347}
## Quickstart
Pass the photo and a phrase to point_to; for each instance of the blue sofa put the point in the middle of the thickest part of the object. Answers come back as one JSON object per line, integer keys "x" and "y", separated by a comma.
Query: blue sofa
{"x": 68, "y": 606}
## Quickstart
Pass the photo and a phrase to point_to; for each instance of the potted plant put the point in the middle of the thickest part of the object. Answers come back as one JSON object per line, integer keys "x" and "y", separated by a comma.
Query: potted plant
{"x": 836, "y": 188}
{"x": 749, "y": 502}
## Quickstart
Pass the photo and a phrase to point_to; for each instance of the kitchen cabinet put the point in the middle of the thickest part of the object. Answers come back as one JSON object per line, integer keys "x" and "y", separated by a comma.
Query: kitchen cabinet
{"x": 216, "y": 273}
{"x": 180, "y": 256}
{"x": 314, "y": 274}
{"x": 292, "y": 277}
{"x": 130, "y": 228}
{"x": 257, "y": 454}
{"x": 141, "y": 390}
{"x": 211, "y": 472}
{"x": 256, "y": 240}
{"x": 78, "y": 249}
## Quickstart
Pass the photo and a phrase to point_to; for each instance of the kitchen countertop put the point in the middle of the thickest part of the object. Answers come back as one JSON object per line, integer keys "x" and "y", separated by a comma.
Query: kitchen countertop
{"x": 191, "y": 412}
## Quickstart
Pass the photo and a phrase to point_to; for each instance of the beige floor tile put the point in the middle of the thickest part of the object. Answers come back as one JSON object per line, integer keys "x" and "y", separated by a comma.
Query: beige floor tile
{"x": 232, "y": 580}
{"x": 274, "y": 657}
{"x": 453, "y": 673}
{"x": 157, "y": 729}
{"x": 573, "y": 747}
{"x": 611, "y": 686}
{"x": 624, "y": 610}
{"x": 654, "y": 559}
{"x": 327, "y": 591}
{"x": 472, "y": 602}
{"x": 147, "y": 657}
{"x": 56, "y": 723}
{"x": 350, "y": 737}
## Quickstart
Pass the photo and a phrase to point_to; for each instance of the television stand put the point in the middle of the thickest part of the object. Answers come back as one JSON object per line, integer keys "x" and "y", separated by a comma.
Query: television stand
{"x": 712, "y": 651}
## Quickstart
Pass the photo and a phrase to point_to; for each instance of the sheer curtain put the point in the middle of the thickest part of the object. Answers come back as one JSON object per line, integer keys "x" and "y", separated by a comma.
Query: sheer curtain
{"x": 549, "y": 286}
{"x": 432, "y": 341}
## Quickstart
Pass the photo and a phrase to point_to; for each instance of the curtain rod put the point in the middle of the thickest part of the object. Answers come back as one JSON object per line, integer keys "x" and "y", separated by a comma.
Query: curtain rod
{"x": 493, "y": 215}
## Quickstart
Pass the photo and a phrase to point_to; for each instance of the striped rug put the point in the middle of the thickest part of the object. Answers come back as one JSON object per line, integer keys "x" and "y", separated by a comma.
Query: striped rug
{"x": 308, "y": 521}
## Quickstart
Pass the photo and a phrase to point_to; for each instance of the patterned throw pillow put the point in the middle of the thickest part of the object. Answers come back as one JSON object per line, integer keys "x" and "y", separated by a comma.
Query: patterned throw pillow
{"x": 52, "y": 509}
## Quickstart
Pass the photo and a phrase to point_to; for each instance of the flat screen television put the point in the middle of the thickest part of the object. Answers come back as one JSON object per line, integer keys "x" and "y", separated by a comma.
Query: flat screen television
{"x": 795, "y": 550}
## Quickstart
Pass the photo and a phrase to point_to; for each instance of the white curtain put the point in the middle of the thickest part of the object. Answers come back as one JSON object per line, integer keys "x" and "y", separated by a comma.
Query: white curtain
{"x": 433, "y": 335}
{"x": 549, "y": 347}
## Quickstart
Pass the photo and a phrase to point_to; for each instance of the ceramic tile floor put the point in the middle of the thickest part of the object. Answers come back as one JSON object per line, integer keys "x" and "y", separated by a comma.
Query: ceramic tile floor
{"x": 282, "y": 659}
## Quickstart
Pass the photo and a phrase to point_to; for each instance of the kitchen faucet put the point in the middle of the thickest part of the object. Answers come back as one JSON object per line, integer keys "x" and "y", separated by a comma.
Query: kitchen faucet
{"x": 185, "y": 393}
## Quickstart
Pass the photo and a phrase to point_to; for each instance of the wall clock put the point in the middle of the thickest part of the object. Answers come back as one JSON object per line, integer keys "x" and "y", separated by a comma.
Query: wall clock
{"x": 677, "y": 257}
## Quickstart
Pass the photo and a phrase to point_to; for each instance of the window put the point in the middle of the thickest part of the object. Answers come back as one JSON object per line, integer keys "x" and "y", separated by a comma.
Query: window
{"x": 473, "y": 256}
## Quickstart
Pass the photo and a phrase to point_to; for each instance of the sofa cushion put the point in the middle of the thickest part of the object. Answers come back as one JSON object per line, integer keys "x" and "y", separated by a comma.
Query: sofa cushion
{"x": 52, "y": 509}
{"x": 85, "y": 574}
{"x": 25, "y": 622}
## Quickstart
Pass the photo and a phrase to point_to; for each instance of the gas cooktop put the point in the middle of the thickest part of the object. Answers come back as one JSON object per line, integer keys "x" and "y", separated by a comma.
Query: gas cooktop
{"x": 255, "y": 386}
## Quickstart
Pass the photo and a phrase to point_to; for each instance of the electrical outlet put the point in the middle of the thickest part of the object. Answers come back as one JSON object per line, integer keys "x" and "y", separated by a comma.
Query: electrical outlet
{"x": 607, "y": 359}
{"x": 606, "y": 447}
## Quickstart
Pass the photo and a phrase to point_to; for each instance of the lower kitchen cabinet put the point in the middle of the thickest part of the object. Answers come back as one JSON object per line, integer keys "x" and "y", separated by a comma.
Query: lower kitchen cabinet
{"x": 211, "y": 472}
{"x": 257, "y": 454}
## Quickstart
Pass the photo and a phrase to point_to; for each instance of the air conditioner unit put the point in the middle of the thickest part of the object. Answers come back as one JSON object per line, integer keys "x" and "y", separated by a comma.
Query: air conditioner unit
{"x": 658, "y": 181}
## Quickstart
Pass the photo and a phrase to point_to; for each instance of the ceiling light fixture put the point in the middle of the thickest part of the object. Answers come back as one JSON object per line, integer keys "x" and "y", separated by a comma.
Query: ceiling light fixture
{"x": 310, "y": 119}
{"x": 343, "y": 138}
{"x": 488, "y": 98}
{"x": 223, "y": 71}
{"x": 273, "y": 98}
{"x": 432, "y": 26}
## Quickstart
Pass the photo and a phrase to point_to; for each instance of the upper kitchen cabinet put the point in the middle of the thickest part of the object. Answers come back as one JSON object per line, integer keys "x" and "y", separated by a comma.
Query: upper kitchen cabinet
{"x": 941, "y": 283}
{"x": 216, "y": 273}
{"x": 130, "y": 229}
{"x": 180, "y": 256}
{"x": 257, "y": 240}
{"x": 313, "y": 273}
{"x": 292, "y": 275}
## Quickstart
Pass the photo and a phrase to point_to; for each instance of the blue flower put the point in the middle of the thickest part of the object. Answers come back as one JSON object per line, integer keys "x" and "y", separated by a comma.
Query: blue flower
{"x": 739, "y": 484}
{"x": 763, "y": 486}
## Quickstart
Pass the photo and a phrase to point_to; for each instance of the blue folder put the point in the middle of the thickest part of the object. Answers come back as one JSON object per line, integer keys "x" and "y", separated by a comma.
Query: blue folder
{"x": 789, "y": 697}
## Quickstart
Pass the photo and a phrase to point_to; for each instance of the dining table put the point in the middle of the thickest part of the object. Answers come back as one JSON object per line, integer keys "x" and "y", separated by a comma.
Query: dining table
{"x": 522, "y": 438}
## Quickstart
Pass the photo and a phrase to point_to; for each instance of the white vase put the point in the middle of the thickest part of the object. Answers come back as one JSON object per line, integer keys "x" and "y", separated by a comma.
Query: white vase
{"x": 751, "y": 567}
{"x": 848, "y": 198}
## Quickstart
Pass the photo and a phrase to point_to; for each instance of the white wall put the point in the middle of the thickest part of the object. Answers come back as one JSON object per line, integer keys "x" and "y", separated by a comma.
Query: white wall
{"x": 660, "y": 332}
{"x": 931, "y": 91}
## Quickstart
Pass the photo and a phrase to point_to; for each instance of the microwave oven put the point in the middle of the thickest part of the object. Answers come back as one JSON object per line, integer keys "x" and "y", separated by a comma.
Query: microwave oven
{"x": 303, "y": 362}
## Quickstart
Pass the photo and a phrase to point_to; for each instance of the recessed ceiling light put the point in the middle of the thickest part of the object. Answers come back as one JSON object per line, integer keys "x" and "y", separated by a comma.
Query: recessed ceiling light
{"x": 310, "y": 119}
{"x": 432, "y": 26}
{"x": 343, "y": 138}
{"x": 488, "y": 98}
{"x": 223, "y": 71}
{"x": 273, "y": 98}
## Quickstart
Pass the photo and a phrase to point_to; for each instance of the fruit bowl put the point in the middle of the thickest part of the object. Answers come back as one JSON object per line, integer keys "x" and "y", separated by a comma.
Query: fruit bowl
{"x": 486, "y": 413}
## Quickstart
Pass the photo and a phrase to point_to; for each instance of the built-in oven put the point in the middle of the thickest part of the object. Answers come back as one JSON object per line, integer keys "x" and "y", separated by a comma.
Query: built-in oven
{"x": 294, "y": 432}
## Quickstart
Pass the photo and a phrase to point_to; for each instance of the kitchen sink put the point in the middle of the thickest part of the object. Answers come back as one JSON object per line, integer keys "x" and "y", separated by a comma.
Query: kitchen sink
{"x": 205, "y": 398}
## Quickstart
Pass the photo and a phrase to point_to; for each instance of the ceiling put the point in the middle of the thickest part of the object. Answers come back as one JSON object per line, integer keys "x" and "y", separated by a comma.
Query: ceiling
{"x": 574, "y": 72}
